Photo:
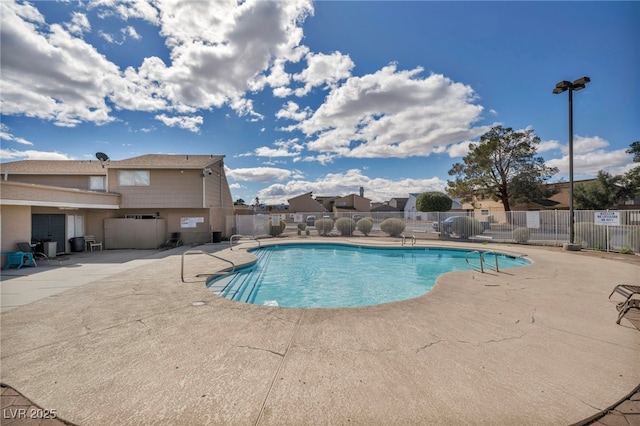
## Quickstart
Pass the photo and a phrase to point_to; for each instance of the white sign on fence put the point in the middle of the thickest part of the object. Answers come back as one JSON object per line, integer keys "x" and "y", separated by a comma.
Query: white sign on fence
{"x": 611, "y": 218}
{"x": 533, "y": 219}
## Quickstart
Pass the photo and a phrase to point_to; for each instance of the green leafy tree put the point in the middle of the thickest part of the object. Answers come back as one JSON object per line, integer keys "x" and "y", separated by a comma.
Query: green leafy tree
{"x": 239, "y": 202}
{"x": 433, "y": 202}
{"x": 635, "y": 150}
{"x": 502, "y": 166}
{"x": 608, "y": 190}
{"x": 631, "y": 179}
{"x": 600, "y": 194}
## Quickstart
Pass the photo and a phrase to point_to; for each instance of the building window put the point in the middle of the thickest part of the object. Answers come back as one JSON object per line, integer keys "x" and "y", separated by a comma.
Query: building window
{"x": 484, "y": 212}
{"x": 96, "y": 183}
{"x": 133, "y": 178}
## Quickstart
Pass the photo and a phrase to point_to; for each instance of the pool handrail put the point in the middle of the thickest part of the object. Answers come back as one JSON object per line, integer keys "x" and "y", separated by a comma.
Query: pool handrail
{"x": 482, "y": 259}
{"x": 413, "y": 239}
{"x": 240, "y": 236}
{"x": 223, "y": 272}
{"x": 478, "y": 267}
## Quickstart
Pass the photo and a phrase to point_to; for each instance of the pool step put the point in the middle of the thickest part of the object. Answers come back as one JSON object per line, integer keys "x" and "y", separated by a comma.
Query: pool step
{"x": 240, "y": 285}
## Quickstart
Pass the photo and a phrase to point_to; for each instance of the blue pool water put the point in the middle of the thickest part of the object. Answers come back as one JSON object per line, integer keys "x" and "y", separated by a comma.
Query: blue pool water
{"x": 333, "y": 275}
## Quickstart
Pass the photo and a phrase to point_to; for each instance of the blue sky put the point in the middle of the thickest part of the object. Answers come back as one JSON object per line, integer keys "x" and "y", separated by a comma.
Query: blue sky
{"x": 324, "y": 96}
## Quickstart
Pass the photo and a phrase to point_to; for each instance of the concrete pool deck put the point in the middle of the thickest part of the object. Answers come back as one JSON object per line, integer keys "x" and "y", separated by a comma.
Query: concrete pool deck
{"x": 127, "y": 345}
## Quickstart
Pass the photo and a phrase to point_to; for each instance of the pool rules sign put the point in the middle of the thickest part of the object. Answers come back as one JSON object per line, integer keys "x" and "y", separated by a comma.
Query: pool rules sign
{"x": 610, "y": 218}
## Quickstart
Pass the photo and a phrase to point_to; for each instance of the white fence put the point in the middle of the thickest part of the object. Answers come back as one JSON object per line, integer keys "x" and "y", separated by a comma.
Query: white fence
{"x": 600, "y": 230}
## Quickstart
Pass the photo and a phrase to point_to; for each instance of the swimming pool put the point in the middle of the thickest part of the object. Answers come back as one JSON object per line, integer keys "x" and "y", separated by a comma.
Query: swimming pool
{"x": 334, "y": 275}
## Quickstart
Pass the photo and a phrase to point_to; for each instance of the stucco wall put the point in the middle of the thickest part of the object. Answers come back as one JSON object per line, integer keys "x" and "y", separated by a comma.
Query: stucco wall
{"x": 66, "y": 181}
{"x": 15, "y": 222}
{"x": 168, "y": 188}
{"x": 55, "y": 196}
{"x": 15, "y": 225}
{"x": 218, "y": 199}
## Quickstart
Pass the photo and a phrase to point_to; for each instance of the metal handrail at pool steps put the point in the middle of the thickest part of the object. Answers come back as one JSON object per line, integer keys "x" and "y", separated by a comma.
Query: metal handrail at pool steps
{"x": 208, "y": 275}
{"x": 481, "y": 256}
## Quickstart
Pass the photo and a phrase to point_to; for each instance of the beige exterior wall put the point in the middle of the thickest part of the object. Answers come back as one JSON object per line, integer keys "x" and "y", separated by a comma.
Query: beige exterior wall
{"x": 15, "y": 225}
{"x": 171, "y": 188}
{"x": 23, "y": 193}
{"x": 352, "y": 201}
{"x": 65, "y": 181}
{"x": 201, "y": 233}
{"x": 134, "y": 233}
{"x": 304, "y": 203}
{"x": 218, "y": 199}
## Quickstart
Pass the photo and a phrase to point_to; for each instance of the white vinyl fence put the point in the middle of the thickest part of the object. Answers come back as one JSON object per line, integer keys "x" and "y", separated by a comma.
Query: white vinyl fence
{"x": 616, "y": 230}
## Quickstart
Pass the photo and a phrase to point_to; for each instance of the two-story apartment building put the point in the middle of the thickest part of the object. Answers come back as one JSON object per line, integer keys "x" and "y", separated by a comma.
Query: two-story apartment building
{"x": 132, "y": 203}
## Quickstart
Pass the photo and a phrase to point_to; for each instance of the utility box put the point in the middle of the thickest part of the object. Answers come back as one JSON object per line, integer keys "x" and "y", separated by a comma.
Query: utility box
{"x": 50, "y": 248}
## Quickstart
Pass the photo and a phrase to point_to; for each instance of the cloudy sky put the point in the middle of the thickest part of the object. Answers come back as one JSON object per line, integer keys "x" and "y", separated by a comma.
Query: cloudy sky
{"x": 322, "y": 96}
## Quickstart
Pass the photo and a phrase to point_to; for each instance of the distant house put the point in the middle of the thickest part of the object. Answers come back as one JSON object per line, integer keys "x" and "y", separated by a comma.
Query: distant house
{"x": 399, "y": 203}
{"x": 326, "y": 201}
{"x": 132, "y": 203}
{"x": 305, "y": 204}
{"x": 351, "y": 203}
{"x": 386, "y": 208}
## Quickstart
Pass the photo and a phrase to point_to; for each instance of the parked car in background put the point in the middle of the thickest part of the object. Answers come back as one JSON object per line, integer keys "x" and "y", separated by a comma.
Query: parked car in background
{"x": 311, "y": 220}
{"x": 446, "y": 224}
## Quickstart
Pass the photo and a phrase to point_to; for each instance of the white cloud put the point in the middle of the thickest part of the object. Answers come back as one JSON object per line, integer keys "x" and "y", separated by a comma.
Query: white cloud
{"x": 590, "y": 156}
{"x": 291, "y": 111}
{"x": 14, "y": 155}
{"x": 582, "y": 144}
{"x": 108, "y": 37}
{"x": 458, "y": 150}
{"x": 50, "y": 74}
{"x": 189, "y": 123}
{"x": 283, "y": 148}
{"x": 392, "y": 113}
{"x": 6, "y": 135}
{"x": 349, "y": 182}
{"x": 127, "y": 9}
{"x": 257, "y": 174}
{"x": 588, "y": 164}
{"x": 323, "y": 70}
{"x": 131, "y": 32}
{"x": 217, "y": 53}
{"x": 79, "y": 24}
{"x": 551, "y": 145}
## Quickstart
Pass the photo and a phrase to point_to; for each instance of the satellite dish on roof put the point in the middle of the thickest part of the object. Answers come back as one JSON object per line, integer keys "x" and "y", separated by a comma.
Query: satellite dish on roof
{"x": 102, "y": 157}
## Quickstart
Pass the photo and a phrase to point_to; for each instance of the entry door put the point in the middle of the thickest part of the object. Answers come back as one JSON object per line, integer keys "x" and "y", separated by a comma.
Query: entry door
{"x": 49, "y": 227}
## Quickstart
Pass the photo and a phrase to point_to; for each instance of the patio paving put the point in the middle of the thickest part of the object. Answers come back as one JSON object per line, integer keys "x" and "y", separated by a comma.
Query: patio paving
{"x": 127, "y": 345}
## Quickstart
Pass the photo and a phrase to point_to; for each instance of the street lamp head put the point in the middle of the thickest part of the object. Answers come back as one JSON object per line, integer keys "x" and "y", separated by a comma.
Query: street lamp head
{"x": 580, "y": 83}
{"x": 562, "y": 86}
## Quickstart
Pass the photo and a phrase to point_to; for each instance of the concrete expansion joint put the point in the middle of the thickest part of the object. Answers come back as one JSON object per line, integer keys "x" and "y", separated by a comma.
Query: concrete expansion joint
{"x": 492, "y": 340}
{"x": 261, "y": 349}
{"x": 428, "y": 345}
{"x": 280, "y": 366}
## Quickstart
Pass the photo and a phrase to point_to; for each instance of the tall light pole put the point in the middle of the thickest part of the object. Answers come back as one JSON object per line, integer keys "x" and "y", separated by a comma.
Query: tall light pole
{"x": 563, "y": 86}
